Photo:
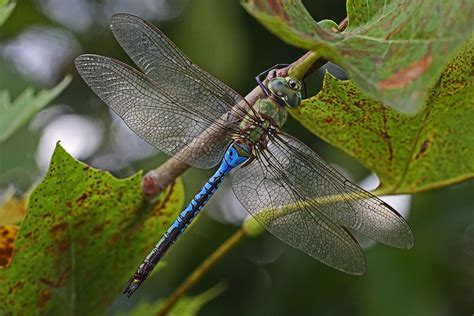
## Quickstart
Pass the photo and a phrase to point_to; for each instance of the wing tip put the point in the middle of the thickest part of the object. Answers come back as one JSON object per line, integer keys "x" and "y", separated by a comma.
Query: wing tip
{"x": 85, "y": 62}
{"x": 116, "y": 21}
{"x": 124, "y": 16}
{"x": 81, "y": 63}
{"x": 410, "y": 242}
{"x": 359, "y": 269}
{"x": 84, "y": 58}
{"x": 409, "y": 239}
{"x": 123, "y": 21}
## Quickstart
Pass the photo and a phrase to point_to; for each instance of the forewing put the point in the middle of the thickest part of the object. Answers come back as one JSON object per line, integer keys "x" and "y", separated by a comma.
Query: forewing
{"x": 266, "y": 189}
{"x": 161, "y": 116}
{"x": 165, "y": 64}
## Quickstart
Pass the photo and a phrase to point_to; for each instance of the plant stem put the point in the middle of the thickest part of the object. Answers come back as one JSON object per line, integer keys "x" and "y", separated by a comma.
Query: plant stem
{"x": 205, "y": 266}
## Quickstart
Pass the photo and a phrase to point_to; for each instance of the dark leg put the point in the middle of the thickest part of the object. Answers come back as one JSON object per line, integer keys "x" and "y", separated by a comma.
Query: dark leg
{"x": 265, "y": 73}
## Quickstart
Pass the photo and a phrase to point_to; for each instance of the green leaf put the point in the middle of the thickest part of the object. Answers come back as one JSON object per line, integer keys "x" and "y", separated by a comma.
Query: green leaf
{"x": 409, "y": 153}
{"x": 84, "y": 234}
{"x": 393, "y": 50}
{"x": 14, "y": 115}
{"x": 186, "y": 306}
{"x": 6, "y": 8}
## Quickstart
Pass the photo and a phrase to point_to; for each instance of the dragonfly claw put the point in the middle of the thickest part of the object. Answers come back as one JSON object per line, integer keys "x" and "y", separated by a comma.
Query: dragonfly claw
{"x": 131, "y": 286}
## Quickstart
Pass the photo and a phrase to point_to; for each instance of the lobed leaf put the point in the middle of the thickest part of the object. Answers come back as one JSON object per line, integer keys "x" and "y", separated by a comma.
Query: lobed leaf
{"x": 14, "y": 114}
{"x": 409, "y": 153}
{"x": 393, "y": 50}
{"x": 83, "y": 235}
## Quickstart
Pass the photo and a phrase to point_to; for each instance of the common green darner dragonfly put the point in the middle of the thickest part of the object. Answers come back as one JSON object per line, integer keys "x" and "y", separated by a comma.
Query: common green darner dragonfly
{"x": 179, "y": 108}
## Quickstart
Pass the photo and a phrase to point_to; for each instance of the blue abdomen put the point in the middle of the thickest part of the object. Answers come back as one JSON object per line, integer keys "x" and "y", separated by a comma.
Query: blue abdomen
{"x": 235, "y": 155}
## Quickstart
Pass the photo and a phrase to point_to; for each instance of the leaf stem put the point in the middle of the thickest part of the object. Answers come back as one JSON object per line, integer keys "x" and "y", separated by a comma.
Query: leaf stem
{"x": 205, "y": 266}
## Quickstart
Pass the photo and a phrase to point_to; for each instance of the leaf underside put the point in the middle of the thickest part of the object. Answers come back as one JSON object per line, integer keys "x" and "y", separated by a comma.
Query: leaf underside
{"x": 393, "y": 50}
{"x": 409, "y": 153}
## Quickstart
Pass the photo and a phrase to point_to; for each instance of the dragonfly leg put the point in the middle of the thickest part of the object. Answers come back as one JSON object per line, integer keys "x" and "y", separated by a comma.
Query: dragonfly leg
{"x": 248, "y": 161}
{"x": 265, "y": 73}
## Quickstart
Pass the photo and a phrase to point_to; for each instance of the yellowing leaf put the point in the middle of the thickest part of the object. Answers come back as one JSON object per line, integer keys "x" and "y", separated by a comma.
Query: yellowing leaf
{"x": 7, "y": 242}
{"x": 83, "y": 235}
{"x": 12, "y": 209}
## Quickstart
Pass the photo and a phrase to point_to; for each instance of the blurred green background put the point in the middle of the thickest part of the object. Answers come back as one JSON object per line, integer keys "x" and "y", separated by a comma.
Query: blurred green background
{"x": 38, "y": 45}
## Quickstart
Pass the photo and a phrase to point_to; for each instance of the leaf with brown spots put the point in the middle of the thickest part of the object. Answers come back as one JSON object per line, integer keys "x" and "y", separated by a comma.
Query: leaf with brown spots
{"x": 393, "y": 50}
{"x": 82, "y": 237}
{"x": 7, "y": 243}
{"x": 409, "y": 153}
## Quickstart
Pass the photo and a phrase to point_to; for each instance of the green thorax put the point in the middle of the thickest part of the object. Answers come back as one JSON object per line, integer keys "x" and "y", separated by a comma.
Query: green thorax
{"x": 272, "y": 114}
{"x": 282, "y": 92}
{"x": 270, "y": 109}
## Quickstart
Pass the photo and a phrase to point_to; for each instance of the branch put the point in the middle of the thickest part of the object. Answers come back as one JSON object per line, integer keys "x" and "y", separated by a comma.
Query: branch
{"x": 156, "y": 180}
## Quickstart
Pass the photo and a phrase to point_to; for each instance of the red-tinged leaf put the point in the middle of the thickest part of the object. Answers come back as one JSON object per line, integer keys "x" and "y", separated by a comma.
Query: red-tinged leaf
{"x": 393, "y": 50}
{"x": 409, "y": 153}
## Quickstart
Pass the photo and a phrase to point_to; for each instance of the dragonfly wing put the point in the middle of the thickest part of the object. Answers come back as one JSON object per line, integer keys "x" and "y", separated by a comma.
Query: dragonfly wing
{"x": 164, "y": 63}
{"x": 302, "y": 200}
{"x": 346, "y": 203}
{"x": 266, "y": 189}
{"x": 164, "y": 119}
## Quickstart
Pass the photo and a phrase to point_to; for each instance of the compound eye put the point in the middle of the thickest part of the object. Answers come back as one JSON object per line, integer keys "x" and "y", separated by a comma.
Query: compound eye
{"x": 293, "y": 84}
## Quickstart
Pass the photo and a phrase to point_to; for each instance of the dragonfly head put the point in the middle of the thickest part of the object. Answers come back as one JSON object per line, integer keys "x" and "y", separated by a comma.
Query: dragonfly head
{"x": 287, "y": 89}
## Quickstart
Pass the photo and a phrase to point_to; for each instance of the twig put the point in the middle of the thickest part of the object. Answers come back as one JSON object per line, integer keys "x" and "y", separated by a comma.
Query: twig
{"x": 205, "y": 266}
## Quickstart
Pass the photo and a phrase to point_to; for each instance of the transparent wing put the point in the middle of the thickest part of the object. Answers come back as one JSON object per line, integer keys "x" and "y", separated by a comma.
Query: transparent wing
{"x": 179, "y": 126}
{"x": 165, "y": 64}
{"x": 303, "y": 201}
{"x": 265, "y": 187}
{"x": 344, "y": 202}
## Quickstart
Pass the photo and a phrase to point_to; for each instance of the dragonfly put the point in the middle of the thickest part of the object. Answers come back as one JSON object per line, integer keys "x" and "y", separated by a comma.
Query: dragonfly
{"x": 190, "y": 115}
